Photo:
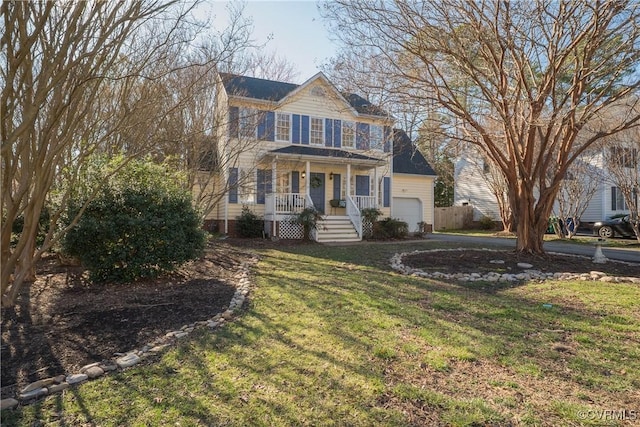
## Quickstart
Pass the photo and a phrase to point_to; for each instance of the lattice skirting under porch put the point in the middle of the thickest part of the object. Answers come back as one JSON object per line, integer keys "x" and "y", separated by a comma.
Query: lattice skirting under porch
{"x": 290, "y": 230}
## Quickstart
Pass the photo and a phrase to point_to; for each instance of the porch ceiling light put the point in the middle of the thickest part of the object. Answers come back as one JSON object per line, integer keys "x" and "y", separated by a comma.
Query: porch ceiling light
{"x": 330, "y": 175}
{"x": 304, "y": 175}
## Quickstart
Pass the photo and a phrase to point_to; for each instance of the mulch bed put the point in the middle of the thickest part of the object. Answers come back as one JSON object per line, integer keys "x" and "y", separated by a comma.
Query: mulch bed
{"x": 471, "y": 260}
{"x": 61, "y": 322}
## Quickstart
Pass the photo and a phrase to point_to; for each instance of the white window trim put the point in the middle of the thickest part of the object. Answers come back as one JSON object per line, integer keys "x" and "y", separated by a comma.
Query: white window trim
{"x": 373, "y": 144}
{"x": 278, "y": 114}
{"x": 322, "y": 134}
{"x": 247, "y": 122}
{"x": 350, "y": 125}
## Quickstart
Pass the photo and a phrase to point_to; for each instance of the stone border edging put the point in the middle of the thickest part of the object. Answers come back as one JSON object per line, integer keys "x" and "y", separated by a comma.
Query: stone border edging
{"x": 49, "y": 386}
{"x": 528, "y": 273}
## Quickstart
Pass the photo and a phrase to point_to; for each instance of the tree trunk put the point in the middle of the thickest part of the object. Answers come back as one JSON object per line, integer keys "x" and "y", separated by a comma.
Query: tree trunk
{"x": 530, "y": 227}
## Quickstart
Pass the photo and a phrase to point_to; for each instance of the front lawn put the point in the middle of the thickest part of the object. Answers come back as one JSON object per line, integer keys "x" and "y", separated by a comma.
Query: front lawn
{"x": 332, "y": 336}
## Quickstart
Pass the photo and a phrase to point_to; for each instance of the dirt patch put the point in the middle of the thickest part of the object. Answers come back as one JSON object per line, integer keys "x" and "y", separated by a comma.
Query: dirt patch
{"x": 61, "y": 322}
{"x": 484, "y": 261}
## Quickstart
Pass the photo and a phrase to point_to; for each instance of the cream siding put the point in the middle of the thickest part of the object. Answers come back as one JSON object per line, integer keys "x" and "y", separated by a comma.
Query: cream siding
{"x": 415, "y": 186}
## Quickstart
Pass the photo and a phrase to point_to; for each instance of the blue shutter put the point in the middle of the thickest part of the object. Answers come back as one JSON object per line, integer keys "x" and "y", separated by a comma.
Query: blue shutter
{"x": 295, "y": 131}
{"x": 305, "y": 130}
{"x": 613, "y": 198}
{"x": 337, "y": 133}
{"x": 233, "y": 185}
{"x": 263, "y": 185}
{"x": 362, "y": 185}
{"x": 295, "y": 182}
{"x": 362, "y": 136}
{"x": 328, "y": 132}
{"x": 337, "y": 187}
{"x": 386, "y": 191}
{"x": 234, "y": 113}
{"x": 266, "y": 130}
{"x": 387, "y": 139}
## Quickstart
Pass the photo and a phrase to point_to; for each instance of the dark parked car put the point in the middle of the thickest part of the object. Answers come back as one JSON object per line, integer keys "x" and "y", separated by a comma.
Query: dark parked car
{"x": 617, "y": 226}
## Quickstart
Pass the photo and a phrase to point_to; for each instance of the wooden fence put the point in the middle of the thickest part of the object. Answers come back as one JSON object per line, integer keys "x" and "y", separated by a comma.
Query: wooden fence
{"x": 453, "y": 218}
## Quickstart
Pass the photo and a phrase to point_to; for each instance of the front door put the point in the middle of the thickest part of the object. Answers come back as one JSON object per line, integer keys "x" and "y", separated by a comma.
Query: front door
{"x": 316, "y": 190}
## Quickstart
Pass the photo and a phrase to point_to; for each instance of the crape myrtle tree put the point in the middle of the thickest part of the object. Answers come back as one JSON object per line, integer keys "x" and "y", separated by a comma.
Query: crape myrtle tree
{"x": 541, "y": 69}
{"x": 87, "y": 78}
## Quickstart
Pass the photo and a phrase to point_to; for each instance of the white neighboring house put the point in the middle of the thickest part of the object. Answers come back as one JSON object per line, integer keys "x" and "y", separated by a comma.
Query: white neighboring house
{"x": 471, "y": 188}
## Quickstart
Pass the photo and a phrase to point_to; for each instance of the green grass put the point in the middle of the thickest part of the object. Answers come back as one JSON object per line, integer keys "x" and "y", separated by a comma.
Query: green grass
{"x": 332, "y": 336}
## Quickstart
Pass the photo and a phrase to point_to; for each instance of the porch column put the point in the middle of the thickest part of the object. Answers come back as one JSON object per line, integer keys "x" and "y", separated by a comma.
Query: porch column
{"x": 226, "y": 203}
{"x": 307, "y": 179}
{"x": 274, "y": 190}
{"x": 375, "y": 188}
{"x": 348, "y": 180}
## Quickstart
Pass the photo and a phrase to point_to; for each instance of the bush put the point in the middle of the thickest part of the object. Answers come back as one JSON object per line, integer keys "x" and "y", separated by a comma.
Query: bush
{"x": 390, "y": 228}
{"x": 486, "y": 223}
{"x": 249, "y": 224}
{"x": 308, "y": 218}
{"x": 132, "y": 233}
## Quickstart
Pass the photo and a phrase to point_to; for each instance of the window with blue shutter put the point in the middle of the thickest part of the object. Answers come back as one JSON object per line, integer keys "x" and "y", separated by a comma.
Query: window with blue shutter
{"x": 233, "y": 185}
{"x": 387, "y": 139}
{"x": 328, "y": 132}
{"x": 295, "y": 182}
{"x": 305, "y": 130}
{"x": 266, "y": 126}
{"x": 362, "y": 185}
{"x": 337, "y": 133}
{"x": 264, "y": 185}
{"x": 362, "y": 136}
{"x": 386, "y": 191}
{"x": 295, "y": 130}
{"x": 233, "y": 122}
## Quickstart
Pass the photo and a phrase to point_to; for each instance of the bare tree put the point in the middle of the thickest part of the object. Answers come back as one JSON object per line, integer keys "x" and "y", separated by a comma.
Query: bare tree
{"x": 542, "y": 69}
{"x": 77, "y": 77}
{"x": 621, "y": 160}
{"x": 577, "y": 188}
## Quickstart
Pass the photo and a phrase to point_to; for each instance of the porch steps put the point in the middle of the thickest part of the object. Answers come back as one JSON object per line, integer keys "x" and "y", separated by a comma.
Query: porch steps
{"x": 336, "y": 229}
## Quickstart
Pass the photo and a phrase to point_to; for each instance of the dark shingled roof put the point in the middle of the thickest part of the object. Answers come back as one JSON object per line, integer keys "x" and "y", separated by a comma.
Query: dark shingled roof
{"x": 252, "y": 87}
{"x": 407, "y": 158}
{"x": 271, "y": 90}
{"x": 305, "y": 150}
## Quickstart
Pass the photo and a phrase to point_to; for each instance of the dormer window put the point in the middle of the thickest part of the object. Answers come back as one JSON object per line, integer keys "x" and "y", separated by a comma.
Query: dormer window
{"x": 283, "y": 127}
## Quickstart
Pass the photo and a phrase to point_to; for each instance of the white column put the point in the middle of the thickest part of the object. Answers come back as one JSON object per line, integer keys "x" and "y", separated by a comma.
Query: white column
{"x": 348, "y": 180}
{"x": 375, "y": 187}
{"x": 274, "y": 190}
{"x": 226, "y": 204}
{"x": 307, "y": 180}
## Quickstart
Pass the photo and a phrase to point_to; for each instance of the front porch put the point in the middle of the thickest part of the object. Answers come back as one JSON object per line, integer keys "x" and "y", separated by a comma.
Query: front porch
{"x": 342, "y": 224}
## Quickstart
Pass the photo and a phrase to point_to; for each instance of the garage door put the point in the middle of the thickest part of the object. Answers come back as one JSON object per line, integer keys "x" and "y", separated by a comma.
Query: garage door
{"x": 408, "y": 210}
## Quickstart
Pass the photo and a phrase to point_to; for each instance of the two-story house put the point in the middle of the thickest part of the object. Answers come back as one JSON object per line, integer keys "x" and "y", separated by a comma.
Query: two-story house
{"x": 474, "y": 180}
{"x": 289, "y": 147}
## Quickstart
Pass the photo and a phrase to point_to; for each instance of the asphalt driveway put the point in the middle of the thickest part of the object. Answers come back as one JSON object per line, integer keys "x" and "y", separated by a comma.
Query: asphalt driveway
{"x": 621, "y": 254}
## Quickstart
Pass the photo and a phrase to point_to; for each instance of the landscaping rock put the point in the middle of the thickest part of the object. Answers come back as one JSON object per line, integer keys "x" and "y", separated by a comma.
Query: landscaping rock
{"x": 128, "y": 360}
{"x": 94, "y": 372}
{"x": 77, "y": 378}
{"x": 37, "y": 385}
{"x": 34, "y": 394}
{"x": 57, "y": 388}
{"x": 8, "y": 403}
{"x": 525, "y": 265}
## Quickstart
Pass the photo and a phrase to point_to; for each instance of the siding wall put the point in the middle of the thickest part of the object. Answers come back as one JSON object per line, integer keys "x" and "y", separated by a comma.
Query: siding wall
{"x": 418, "y": 186}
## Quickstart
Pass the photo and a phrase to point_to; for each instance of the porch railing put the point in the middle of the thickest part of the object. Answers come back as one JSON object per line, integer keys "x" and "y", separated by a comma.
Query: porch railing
{"x": 353, "y": 212}
{"x": 365, "y": 202}
{"x": 289, "y": 203}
